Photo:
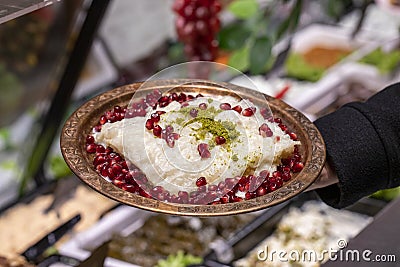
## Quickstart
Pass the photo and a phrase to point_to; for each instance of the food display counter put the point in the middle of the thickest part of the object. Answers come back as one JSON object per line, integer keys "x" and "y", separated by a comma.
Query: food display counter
{"x": 325, "y": 68}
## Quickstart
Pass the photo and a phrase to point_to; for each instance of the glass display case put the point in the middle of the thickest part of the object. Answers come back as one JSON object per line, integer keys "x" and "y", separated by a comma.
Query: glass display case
{"x": 42, "y": 54}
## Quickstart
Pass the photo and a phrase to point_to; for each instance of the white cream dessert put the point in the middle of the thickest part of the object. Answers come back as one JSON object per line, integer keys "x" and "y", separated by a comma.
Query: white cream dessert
{"x": 205, "y": 137}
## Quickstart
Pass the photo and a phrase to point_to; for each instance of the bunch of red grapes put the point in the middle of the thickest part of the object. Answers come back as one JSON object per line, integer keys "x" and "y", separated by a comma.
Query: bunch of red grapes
{"x": 197, "y": 25}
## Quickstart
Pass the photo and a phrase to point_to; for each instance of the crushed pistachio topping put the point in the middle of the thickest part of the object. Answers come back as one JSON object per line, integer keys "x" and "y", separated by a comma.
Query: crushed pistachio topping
{"x": 235, "y": 157}
{"x": 210, "y": 112}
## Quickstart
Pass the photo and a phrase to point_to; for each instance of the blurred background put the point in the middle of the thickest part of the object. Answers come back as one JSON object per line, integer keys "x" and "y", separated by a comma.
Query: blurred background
{"x": 55, "y": 55}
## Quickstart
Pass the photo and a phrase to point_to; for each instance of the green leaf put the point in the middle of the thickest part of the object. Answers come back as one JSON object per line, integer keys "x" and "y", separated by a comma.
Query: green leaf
{"x": 233, "y": 36}
{"x": 10, "y": 165}
{"x": 5, "y": 133}
{"x": 58, "y": 167}
{"x": 240, "y": 59}
{"x": 243, "y": 8}
{"x": 260, "y": 54}
{"x": 291, "y": 22}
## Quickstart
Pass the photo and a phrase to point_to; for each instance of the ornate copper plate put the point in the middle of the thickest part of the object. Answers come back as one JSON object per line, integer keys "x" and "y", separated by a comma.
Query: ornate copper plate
{"x": 80, "y": 124}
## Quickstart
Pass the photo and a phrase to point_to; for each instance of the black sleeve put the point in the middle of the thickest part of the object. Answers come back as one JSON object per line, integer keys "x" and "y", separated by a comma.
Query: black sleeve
{"x": 363, "y": 147}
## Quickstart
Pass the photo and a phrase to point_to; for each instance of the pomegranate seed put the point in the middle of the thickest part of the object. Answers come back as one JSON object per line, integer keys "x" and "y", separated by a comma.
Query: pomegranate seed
{"x": 104, "y": 171}
{"x": 97, "y": 128}
{"x": 89, "y": 139}
{"x": 169, "y": 129}
{"x": 99, "y": 167}
{"x": 297, "y": 167}
{"x": 225, "y": 106}
{"x": 184, "y": 196}
{"x": 160, "y": 112}
{"x": 297, "y": 158}
{"x": 157, "y": 190}
{"x": 286, "y": 176}
{"x": 293, "y": 136}
{"x": 120, "y": 177}
{"x": 170, "y": 141}
{"x": 265, "y": 131}
{"x": 261, "y": 191}
{"x": 202, "y": 189}
{"x": 241, "y": 187}
{"x": 182, "y": 97}
{"x": 255, "y": 182}
{"x": 155, "y": 117}
{"x": 265, "y": 113}
{"x": 109, "y": 114}
{"x": 220, "y": 140}
{"x": 194, "y": 194}
{"x": 100, "y": 149}
{"x": 149, "y": 124}
{"x": 285, "y": 169}
{"x": 272, "y": 187}
{"x": 276, "y": 174}
{"x": 203, "y": 150}
{"x": 236, "y": 199}
{"x": 144, "y": 193}
{"x": 99, "y": 160}
{"x": 161, "y": 196}
{"x": 157, "y": 130}
{"x": 278, "y": 138}
{"x": 116, "y": 169}
{"x": 118, "y": 158}
{"x": 248, "y": 112}
{"x": 283, "y": 127}
{"x": 173, "y": 199}
{"x": 277, "y": 120}
{"x": 163, "y": 99}
{"x": 230, "y": 183}
{"x": 184, "y": 104}
{"x": 250, "y": 195}
{"x": 203, "y": 106}
{"x": 117, "y": 108}
{"x": 110, "y": 173}
{"x": 119, "y": 183}
{"x": 156, "y": 93}
{"x": 210, "y": 197}
{"x": 221, "y": 185}
{"x": 175, "y": 136}
{"x": 174, "y": 97}
{"x": 237, "y": 108}
{"x": 164, "y": 134}
{"x": 224, "y": 199}
{"x": 279, "y": 182}
{"x": 201, "y": 181}
{"x": 244, "y": 180}
{"x": 199, "y": 95}
{"x": 118, "y": 116}
{"x": 193, "y": 112}
{"x": 91, "y": 148}
{"x": 130, "y": 188}
{"x": 212, "y": 187}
